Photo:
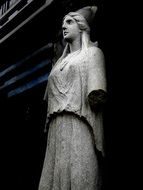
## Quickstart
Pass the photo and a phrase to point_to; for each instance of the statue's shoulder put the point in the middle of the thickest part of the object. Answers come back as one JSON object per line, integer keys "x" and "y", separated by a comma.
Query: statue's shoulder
{"x": 94, "y": 51}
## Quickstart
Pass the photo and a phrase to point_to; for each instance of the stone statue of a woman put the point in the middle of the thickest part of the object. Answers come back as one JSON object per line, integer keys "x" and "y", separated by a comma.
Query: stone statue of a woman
{"x": 76, "y": 92}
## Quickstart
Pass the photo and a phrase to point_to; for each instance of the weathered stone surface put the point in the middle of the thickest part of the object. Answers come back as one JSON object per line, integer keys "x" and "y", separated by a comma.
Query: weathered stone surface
{"x": 77, "y": 83}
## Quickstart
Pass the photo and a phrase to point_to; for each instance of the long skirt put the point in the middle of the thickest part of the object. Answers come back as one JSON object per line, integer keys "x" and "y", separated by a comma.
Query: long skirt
{"x": 70, "y": 160}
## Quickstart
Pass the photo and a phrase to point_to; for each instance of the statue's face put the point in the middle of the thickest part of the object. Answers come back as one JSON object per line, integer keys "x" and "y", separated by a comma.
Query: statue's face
{"x": 70, "y": 29}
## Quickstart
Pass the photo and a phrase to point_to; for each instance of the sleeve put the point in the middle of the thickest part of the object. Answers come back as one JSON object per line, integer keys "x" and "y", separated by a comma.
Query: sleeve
{"x": 96, "y": 75}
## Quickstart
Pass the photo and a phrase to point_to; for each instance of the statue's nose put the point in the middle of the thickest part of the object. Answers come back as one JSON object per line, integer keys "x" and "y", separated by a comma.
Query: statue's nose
{"x": 64, "y": 27}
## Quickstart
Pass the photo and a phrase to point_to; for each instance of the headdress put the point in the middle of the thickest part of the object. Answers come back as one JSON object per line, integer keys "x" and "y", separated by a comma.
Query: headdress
{"x": 88, "y": 13}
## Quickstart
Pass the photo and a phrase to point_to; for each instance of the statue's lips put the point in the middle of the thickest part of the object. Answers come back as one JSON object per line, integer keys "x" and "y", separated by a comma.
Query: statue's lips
{"x": 65, "y": 33}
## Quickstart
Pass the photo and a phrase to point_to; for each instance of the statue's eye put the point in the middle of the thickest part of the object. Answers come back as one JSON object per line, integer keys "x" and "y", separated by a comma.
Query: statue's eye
{"x": 69, "y": 21}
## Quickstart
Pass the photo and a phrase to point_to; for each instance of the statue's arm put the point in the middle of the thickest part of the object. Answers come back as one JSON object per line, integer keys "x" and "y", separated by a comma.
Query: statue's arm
{"x": 97, "y": 93}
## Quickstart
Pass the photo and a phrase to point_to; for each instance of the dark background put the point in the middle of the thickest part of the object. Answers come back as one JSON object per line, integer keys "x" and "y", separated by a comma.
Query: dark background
{"x": 23, "y": 116}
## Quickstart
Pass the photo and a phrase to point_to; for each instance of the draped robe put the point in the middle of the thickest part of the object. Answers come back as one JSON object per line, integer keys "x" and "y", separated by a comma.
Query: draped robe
{"x": 74, "y": 128}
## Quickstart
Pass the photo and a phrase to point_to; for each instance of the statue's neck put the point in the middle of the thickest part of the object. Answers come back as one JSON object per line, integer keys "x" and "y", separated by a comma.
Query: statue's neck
{"x": 75, "y": 45}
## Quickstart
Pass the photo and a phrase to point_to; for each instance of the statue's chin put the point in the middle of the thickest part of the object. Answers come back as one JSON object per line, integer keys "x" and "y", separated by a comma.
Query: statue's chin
{"x": 69, "y": 40}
